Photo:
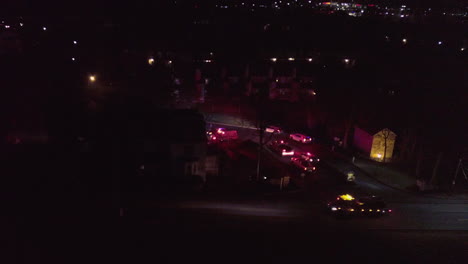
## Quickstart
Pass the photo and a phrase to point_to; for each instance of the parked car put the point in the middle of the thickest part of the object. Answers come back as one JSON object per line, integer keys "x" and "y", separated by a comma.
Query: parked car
{"x": 281, "y": 148}
{"x": 300, "y": 138}
{"x": 309, "y": 156}
{"x": 221, "y": 134}
{"x": 303, "y": 164}
{"x": 273, "y": 129}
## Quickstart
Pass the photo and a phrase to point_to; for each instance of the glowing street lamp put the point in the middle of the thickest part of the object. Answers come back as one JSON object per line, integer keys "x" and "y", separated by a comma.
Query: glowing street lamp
{"x": 92, "y": 78}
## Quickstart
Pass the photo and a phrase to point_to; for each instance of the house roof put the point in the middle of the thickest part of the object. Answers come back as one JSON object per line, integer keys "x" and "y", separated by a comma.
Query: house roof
{"x": 373, "y": 127}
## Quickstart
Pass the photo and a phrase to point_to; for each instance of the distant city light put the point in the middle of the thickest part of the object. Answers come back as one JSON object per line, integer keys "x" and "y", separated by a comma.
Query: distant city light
{"x": 273, "y": 59}
{"x": 404, "y": 41}
{"x": 169, "y": 62}
{"x": 75, "y": 42}
{"x": 290, "y": 59}
{"x": 346, "y": 61}
{"x": 92, "y": 78}
{"x": 21, "y": 24}
{"x": 7, "y": 26}
{"x": 44, "y": 28}
{"x": 309, "y": 59}
{"x": 440, "y": 42}
{"x": 462, "y": 49}
{"x": 207, "y": 61}
{"x": 150, "y": 61}
{"x": 73, "y": 59}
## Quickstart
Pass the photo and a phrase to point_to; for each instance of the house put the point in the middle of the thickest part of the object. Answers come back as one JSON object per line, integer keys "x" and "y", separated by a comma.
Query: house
{"x": 377, "y": 143}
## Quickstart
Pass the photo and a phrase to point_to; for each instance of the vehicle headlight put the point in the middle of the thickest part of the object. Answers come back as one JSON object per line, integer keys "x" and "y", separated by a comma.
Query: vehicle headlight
{"x": 334, "y": 208}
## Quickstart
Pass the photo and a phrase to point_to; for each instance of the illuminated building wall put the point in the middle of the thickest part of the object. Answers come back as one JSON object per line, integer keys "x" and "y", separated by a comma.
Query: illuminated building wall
{"x": 373, "y": 143}
{"x": 383, "y": 142}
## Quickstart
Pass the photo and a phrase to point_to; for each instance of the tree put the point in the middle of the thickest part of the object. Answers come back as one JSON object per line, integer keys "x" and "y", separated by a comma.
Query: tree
{"x": 386, "y": 135}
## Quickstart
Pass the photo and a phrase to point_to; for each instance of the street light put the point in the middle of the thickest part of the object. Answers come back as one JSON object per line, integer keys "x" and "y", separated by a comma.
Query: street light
{"x": 404, "y": 41}
{"x": 150, "y": 61}
{"x": 44, "y": 28}
{"x": 92, "y": 78}
{"x": 273, "y": 59}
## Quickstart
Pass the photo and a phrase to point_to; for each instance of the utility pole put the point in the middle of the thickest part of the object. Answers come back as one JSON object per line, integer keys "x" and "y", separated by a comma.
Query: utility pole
{"x": 456, "y": 173}
{"x": 260, "y": 149}
{"x": 262, "y": 95}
